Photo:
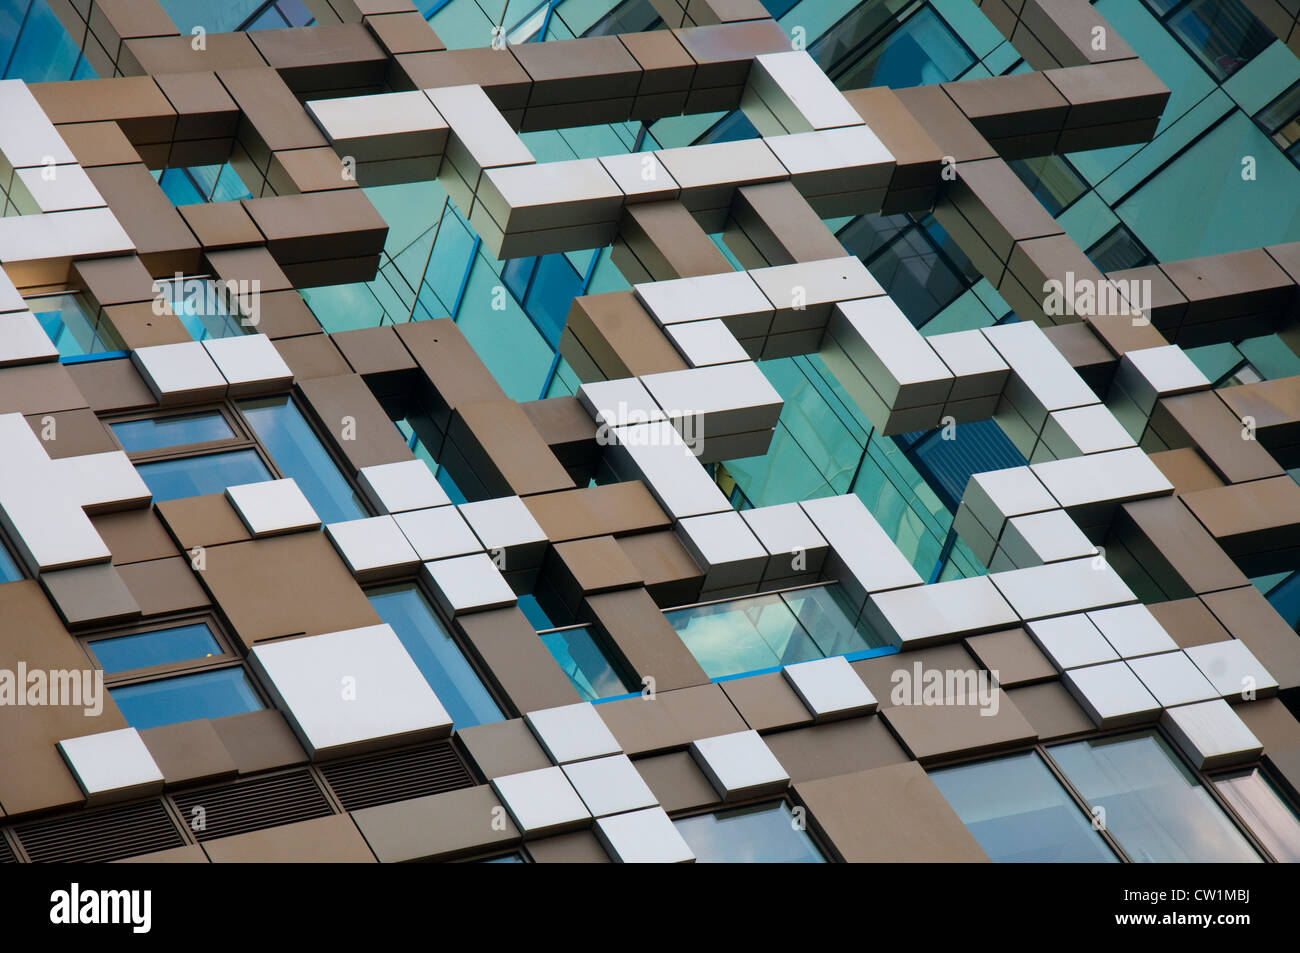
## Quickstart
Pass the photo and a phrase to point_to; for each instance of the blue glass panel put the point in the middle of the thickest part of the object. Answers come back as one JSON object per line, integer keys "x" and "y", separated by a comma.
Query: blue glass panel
{"x": 947, "y": 465}
{"x": 215, "y": 694}
{"x": 9, "y": 571}
{"x": 743, "y": 635}
{"x": 71, "y": 327}
{"x": 298, "y": 453}
{"x": 920, "y": 52}
{"x": 555, "y": 284}
{"x": 537, "y": 617}
{"x": 761, "y": 834}
{"x": 1155, "y": 808}
{"x": 1019, "y": 812}
{"x": 154, "y": 433}
{"x": 826, "y": 614}
{"x": 34, "y": 45}
{"x": 160, "y": 647}
{"x": 588, "y": 668}
{"x": 199, "y": 476}
{"x": 436, "y": 654}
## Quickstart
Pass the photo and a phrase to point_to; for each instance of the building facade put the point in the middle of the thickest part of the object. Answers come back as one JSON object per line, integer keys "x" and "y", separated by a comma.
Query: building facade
{"x": 589, "y": 431}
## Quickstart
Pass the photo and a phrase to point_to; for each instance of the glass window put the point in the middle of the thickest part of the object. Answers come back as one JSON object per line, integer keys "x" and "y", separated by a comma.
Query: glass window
{"x": 1154, "y": 806}
{"x": 9, "y": 569}
{"x": 154, "y": 433}
{"x": 921, "y": 51}
{"x": 743, "y": 635}
{"x": 160, "y": 647}
{"x": 436, "y": 654}
{"x": 298, "y": 453}
{"x": 205, "y": 307}
{"x": 1259, "y": 803}
{"x": 1223, "y": 36}
{"x": 198, "y": 476}
{"x": 71, "y": 326}
{"x": 1119, "y": 249}
{"x": 761, "y": 834}
{"x": 214, "y": 694}
{"x": 835, "y": 625}
{"x": 772, "y": 629}
{"x": 1019, "y": 812}
{"x": 588, "y": 668}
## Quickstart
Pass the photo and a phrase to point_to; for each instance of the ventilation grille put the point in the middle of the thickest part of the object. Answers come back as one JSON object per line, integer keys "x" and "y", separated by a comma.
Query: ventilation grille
{"x": 7, "y": 855}
{"x": 100, "y": 836}
{"x": 383, "y": 779}
{"x": 252, "y": 805}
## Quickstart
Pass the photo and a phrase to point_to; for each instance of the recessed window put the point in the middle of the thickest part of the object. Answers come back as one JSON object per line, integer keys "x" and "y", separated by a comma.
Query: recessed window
{"x": 156, "y": 433}
{"x": 9, "y": 568}
{"x": 766, "y": 631}
{"x": 180, "y": 643}
{"x": 73, "y": 328}
{"x": 198, "y": 476}
{"x": 589, "y": 669}
{"x": 761, "y": 834}
{"x": 1020, "y": 813}
{"x": 1152, "y": 805}
{"x": 298, "y": 453}
{"x": 212, "y": 694}
{"x": 436, "y": 654}
{"x": 205, "y": 309}
{"x": 1259, "y": 803}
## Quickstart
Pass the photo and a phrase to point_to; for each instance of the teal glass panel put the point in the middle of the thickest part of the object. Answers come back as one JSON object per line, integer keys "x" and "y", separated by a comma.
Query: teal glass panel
{"x": 199, "y": 476}
{"x": 154, "y": 433}
{"x": 1200, "y": 204}
{"x": 71, "y": 327}
{"x": 214, "y": 694}
{"x": 204, "y": 307}
{"x": 923, "y": 50}
{"x": 159, "y": 647}
{"x": 298, "y": 453}
{"x": 35, "y": 47}
{"x": 759, "y": 834}
{"x": 436, "y": 654}
{"x": 588, "y": 667}
{"x": 9, "y": 571}
{"x": 833, "y": 622}
{"x": 1155, "y": 808}
{"x": 743, "y": 635}
{"x": 1019, "y": 812}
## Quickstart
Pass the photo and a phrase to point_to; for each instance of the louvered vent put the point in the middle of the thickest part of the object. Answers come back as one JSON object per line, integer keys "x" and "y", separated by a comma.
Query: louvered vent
{"x": 252, "y": 805}
{"x": 100, "y": 835}
{"x": 397, "y": 776}
{"x": 7, "y": 855}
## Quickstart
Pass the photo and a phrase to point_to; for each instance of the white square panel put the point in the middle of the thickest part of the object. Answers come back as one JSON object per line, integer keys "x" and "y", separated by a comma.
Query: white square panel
{"x": 1111, "y": 694}
{"x": 273, "y": 506}
{"x": 250, "y": 363}
{"x": 112, "y": 765}
{"x": 610, "y": 785}
{"x": 863, "y": 556}
{"x": 350, "y": 691}
{"x": 102, "y": 481}
{"x": 1037, "y": 538}
{"x": 1212, "y": 735}
{"x": 830, "y": 688}
{"x": 24, "y": 341}
{"x": 788, "y": 533}
{"x": 1132, "y": 630}
{"x": 572, "y": 733}
{"x": 923, "y": 615}
{"x": 619, "y": 403}
{"x": 1071, "y": 641}
{"x": 398, "y": 487}
{"x": 740, "y": 765}
{"x": 995, "y": 495}
{"x": 1233, "y": 669}
{"x": 541, "y": 801}
{"x": 703, "y": 343}
{"x": 1172, "y": 678}
{"x": 725, "y": 548}
{"x": 469, "y": 584}
{"x": 505, "y": 527}
{"x": 438, "y": 533}
{"x": 1072, "y": 585}
{"x": 643, "y": 837}
{"x": 1150, "y": 373}
{"x": 180, "y": 373}
{"x": 373, "y": 548}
